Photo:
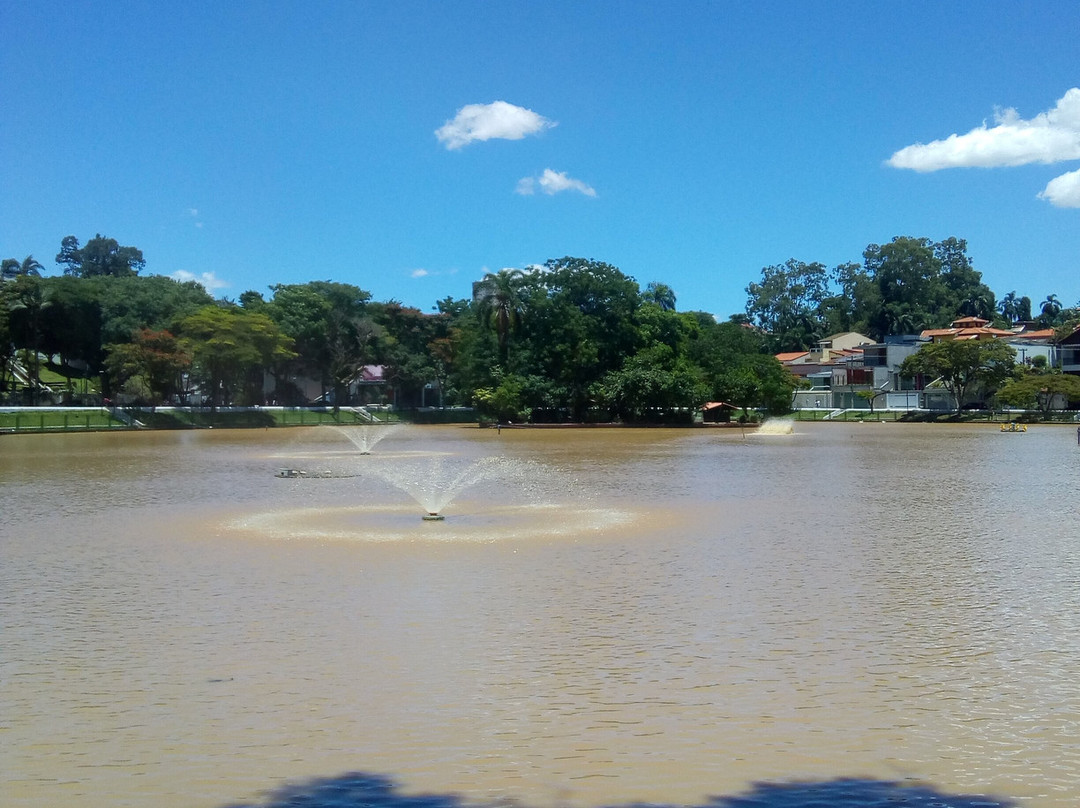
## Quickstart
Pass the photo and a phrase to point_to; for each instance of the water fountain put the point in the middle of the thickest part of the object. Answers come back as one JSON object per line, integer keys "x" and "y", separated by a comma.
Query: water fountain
{"x": 434, "y": 481}
{"x": 365, "y": 436}
{"x": 495, "y": 497}
{"x": 777, "y": 426}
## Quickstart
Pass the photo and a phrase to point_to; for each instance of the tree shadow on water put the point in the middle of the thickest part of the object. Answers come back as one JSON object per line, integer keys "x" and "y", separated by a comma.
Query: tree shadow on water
{"x": 364, "y": 790}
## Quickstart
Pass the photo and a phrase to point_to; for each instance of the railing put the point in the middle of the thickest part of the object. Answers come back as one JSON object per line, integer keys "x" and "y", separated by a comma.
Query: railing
{"x": 67, "y": 419}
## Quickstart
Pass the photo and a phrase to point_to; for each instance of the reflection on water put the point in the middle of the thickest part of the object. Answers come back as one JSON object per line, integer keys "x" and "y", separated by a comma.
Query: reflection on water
{"x": 702, "y": 611}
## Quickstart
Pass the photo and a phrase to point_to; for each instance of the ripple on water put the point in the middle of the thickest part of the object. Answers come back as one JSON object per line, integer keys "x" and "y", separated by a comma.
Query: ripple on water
{"x": 384, "y": 523}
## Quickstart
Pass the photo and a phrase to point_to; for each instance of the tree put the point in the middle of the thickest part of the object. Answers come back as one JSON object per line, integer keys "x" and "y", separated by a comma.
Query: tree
{"x": 231, "y": 349}
{"x": 787, "y": 304}
{"x": 26, "y": 308}
{"x": 870, "y": 396}
{"x": 499, "y": 303}
{"x": 503, "y": 402}
{"x": 923, "y": 284}
{"x": 148, "y": 368}
{"x": 100, "y": 256}
{"x": 653, "y": 385}
{"x": 1049, "y": 310}
{"x": 348, "y": 346}
{"x": 908, "y": 277}
{"x": 661, "y": 294}
{"x": 736, "y": 368}
{"x": 1023, "y": 310}
{"x": 7, "y": 345}
{"x": 71, "y": 327}
{"x": 962, "y": 366}
{"x": 12, "y": 268}
{"x": 582, "y": 323}
{"x": 967, "y": 294}
{"x": 1041, "y": 391}
{"x": 330, "y": 325}
{"x": 1010, "y": 307}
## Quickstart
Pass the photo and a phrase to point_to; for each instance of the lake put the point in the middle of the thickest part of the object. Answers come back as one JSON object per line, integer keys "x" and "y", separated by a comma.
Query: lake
{"x": 605, "y": 617}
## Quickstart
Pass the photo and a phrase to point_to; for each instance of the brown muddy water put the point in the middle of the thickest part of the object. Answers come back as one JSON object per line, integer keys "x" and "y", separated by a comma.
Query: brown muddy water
{"x": 607, "y": 617}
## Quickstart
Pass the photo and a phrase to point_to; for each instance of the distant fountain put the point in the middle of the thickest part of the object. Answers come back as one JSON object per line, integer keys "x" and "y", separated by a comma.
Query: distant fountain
{"x": 365, "y": 436}
{"x": 511, "y": 496}
{"x": 777, "y": 426}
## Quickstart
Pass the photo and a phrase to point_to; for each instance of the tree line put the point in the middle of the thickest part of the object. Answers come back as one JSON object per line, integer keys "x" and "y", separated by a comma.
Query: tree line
{"x": 572, "y": 340}
{"x": 903, "y": 287}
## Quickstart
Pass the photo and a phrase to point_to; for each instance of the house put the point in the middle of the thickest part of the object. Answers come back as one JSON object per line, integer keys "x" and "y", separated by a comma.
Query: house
{"x": 844, "y": 341}
{"x": 966, "y": 328}
{"x": 368, "y": 386}
{"x": 1069, "y": 352}
{"x": 834, "y": 372}
{"x": 716, "y": 412}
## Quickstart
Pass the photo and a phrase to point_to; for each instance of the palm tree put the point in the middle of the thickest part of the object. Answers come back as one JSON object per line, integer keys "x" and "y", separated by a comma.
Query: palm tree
{"x": 980, "y": 303}
{"x": 28, "y": 301}
{"x": 11, "y": 268}
{"x": 661, "y": 294}
{"x": 498, "y": 300}
{"x": 1010, "y": 307}
{"x": 1050, "y": 308}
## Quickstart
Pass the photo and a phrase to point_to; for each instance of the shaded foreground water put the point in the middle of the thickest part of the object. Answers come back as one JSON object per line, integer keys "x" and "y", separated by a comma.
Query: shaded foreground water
{"x": 849, "y": 615}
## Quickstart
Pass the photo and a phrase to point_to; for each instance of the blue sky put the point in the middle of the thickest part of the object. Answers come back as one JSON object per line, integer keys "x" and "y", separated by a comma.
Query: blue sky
{"x": 691, "y": 143}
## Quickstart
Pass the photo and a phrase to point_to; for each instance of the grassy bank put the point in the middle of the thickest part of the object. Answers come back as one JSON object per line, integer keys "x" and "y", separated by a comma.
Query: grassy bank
{"x": 82, "y": 419}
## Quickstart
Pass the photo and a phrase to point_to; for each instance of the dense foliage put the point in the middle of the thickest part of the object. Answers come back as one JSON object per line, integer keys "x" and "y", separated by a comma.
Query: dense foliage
{"x": 574, "y": 339}
{"x": 903, "y": 287}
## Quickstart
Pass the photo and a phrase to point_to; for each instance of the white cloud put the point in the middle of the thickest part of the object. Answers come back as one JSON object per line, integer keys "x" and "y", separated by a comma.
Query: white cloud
{"x": 1049, "y": 137}
{"x": 552, "y": 182}
{"x": 1063, "y": 191}
{"x": 487, "y": 121}
{"x": 419, "y": 273}
{"x": 206, "y": 280}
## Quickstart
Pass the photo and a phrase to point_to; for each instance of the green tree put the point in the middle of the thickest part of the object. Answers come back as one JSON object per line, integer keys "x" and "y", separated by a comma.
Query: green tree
{"x": 12, "y": 268}
{"x": 7, "y": 344}
{"x": 1023, "y": 310}
{"x": 1009, "y": 306}
{"x": 330, "y": 325}
{"x": 147, "y": 369}
{"x": 653, "y": 385}
{"x": 1049, "y": 310}
{"x": 100, "y": 256}
{"x": 737, "y": 368}
{"x": 1039, "y": 387}
{"x": 922, "y": 284}
{"x": 72, "y": 328}
{"x": 661, "y": 294}
{"x": 129, "y": 303}
{"x": 582, "y": 324}
{"x": 503, "y": 402}
{"x": 967, "y": 295}
{"x": 26, "y": 309}
{"x": 498, "y": 299}
{"x": 231, "y": 350}
{"x": 908, "y": 277}
{"x": 962, "y": 366}
{"x": 787, "y": 304}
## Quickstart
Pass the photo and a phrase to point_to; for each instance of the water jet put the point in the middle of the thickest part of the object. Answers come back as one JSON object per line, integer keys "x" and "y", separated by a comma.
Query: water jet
{"x": 365, "y": 436}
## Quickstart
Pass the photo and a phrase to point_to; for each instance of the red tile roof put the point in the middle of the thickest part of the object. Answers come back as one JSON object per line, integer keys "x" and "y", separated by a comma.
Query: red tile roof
{"x": 791, "y": 356}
